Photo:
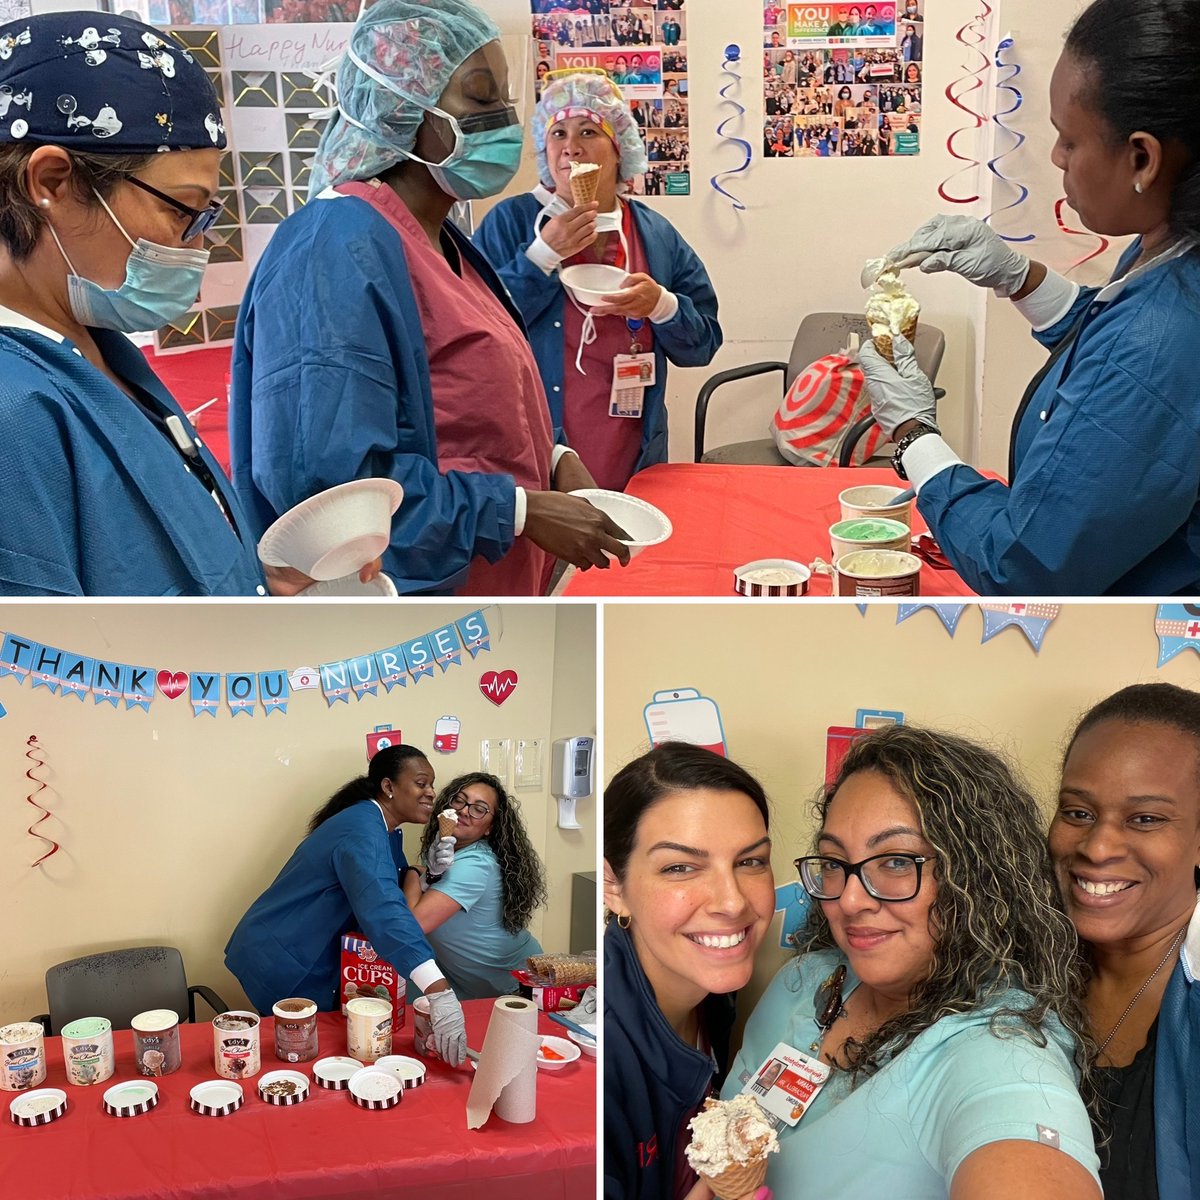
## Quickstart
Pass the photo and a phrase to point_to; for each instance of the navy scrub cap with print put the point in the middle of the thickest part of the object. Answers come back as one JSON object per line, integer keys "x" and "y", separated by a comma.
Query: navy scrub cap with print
{"x": 101, "y": 83}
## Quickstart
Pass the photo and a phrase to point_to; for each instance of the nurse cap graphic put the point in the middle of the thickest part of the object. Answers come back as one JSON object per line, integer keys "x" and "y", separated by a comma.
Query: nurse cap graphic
{"x": 104, "y": 124}
{"x": 683, "y": 715}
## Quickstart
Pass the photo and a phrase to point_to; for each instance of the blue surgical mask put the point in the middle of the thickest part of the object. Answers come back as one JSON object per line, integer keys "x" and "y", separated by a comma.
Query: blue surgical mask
{"x": 161, "y": 284}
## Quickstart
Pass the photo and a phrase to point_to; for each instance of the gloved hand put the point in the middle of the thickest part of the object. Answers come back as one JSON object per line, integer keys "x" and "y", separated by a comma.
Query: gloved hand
{"x": 898, "y": 393}
{"x": 441, "y": 856}
{"x": 969, "y": 248}
{"x": 448, "y": 1026}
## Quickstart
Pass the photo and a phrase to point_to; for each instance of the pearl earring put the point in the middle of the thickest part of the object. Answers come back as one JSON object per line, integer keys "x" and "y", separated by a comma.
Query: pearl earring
{"x": 1137, "y": 187}
{"x": 44, "y": 202}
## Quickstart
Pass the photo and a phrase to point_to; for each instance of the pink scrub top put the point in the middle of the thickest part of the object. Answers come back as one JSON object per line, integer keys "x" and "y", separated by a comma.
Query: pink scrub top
{"x": 490, "y": 410}
{"x": 609, "y": 446}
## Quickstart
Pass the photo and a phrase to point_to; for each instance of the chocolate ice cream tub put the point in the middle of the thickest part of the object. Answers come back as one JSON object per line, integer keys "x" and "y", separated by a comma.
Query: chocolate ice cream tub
{"x": 235, "y": 1044}
{"x": 295, "y": 1029}
{"x": 156, "y": 1042}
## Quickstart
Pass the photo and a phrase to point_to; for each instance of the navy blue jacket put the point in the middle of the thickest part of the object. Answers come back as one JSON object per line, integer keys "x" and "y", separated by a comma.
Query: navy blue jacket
{"x": 1177, "y": 1077}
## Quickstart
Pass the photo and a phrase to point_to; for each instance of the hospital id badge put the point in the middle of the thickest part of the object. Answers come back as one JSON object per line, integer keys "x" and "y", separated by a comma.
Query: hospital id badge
{"x": 632, "y": 375}
{"x": 787, "y": 1083}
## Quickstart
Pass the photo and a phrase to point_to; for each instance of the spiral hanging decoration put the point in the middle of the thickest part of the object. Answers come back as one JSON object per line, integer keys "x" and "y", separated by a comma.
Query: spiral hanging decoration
{"x": 1005, "y": 84}
{"x": 733, "y": 54}
{"x": 35, "y": 755}
{"x": 1100, "y": 249}
{"x": 971, "y": 36}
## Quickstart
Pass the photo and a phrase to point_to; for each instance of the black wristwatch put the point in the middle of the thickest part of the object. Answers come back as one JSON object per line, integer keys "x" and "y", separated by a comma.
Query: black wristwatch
{"x": 918, "y": 430}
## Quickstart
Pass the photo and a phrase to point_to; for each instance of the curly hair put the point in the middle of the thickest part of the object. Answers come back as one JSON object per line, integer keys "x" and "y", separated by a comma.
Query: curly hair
{"x": 998, "y": 920}
{"x": 522, "y": 878}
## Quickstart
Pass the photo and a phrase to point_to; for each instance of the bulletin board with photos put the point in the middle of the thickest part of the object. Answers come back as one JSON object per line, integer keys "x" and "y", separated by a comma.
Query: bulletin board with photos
{"x": 642, "y": 44}
{"x": 843, "y": 80}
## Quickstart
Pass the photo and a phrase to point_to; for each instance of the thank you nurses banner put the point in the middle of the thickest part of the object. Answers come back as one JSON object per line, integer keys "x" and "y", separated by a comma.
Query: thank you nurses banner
{"x": 75, "y": 675}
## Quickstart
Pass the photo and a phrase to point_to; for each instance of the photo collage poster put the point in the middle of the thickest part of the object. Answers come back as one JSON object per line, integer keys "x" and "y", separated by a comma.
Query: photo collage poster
{"x": 843, "y": 80}
{"x": 642, "y": 44}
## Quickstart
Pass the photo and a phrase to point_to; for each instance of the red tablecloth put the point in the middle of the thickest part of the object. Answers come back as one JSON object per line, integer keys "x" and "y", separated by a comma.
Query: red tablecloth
{"x": 725, "y": 516}
{"x": 326, "y": 1147}
{"x": 193, "y": 378}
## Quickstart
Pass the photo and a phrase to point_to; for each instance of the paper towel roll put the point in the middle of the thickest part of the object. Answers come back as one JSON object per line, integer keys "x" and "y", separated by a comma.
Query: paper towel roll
{"x": 506, "y": 1075}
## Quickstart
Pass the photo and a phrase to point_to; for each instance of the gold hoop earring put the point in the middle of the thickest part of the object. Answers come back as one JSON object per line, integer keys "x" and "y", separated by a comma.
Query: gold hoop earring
{"x": 624, "y": 920}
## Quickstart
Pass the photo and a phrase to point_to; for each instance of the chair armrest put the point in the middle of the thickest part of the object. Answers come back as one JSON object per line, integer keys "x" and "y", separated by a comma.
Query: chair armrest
{"x": 858, "y": 430}
{"x": 714, "y": 382}
{"x": 208, "y": 996}
{"x": 42, "y": 1019}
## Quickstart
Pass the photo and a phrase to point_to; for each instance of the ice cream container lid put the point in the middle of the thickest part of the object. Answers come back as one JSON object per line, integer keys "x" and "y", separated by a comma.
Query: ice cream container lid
{"x": 39, "y": 1107}
{"x": 410, "y": 1071}
{"x": 154, "y": 1021}
{"x": 87, "y": 1027}
{"x": 335, "y": 1071}
{"x": 771, "y": 577}
{"x": 131, "y": 1099}
{"x": 283, "y": 1087}
{"x": 373, "y": 1088}
{"x": 216, "y": 1098}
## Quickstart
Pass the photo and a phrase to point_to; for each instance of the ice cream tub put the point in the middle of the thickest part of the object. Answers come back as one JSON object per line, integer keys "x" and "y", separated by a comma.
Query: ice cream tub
{"x": 423, "y": 1029}
{"x": 368, "y": 1028}
{"x": 88, "y": 1050}
{"x": 875, "y": 500}
{"x": 38, "y": 1107}
{"x": 156, "y": 1042}
{"x": 295, "y": 1029}
{"x": 863, "y": 533}
{"x": 283, "y": 1087}
{"x": 375, "y": 1088}
{"x": 235, "y": 1044}
{"x": 216, "y": 1098}
{"x": 771, "y": 577}
{"x": 22, "y": 1056}
{"x": 131, "y": 1099}
{"x": 877, "y": 573}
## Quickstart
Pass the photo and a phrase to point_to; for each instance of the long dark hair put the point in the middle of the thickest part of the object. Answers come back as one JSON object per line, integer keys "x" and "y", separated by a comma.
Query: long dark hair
{"x": 1143, "y": 63}
{"x": 522, "y": 879}
{"x": 387, "y": 764}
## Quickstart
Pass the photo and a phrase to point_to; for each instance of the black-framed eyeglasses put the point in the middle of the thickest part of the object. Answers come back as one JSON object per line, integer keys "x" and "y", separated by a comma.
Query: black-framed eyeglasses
{"x": 476, "y": 808}
{"x": 888, "y": 877}
{"x": 202, "y": 219}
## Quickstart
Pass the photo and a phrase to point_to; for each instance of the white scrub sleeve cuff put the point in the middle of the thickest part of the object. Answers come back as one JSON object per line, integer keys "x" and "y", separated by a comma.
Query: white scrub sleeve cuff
{"x": 542, "y": 257}
{"x": 926, "y": 457}
{"x": 665, "y": 309}
{"x": 1049, "y": 302}
{"x": 557, "y": 455}
{"x": 428, "y": 972}
{"x": 520, "y": 508}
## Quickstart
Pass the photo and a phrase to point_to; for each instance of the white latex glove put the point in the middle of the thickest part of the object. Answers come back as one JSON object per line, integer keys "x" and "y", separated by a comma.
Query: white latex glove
{"x": 449, "y": 1028}
{"x": 969, "y": 248}
{"x": 441, "y": 857}
{"x": 898, "y": 393}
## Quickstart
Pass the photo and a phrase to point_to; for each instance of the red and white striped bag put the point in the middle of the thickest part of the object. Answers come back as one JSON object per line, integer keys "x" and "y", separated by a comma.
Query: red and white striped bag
{"x": 825, "y": 399}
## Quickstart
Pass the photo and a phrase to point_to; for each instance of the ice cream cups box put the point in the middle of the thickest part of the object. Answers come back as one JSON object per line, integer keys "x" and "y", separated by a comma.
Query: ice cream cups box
{"x": 156, "y": 1048}
{"x": 283, "y": 1087}
{"x": 216, "y": 1098}
{"x": 368, "y": 1028}
{"x": 877, "y": 573}
{"x": 295, "y": 1029}
{"x": 645, "y": 524}
{"x": 236, "y": 1053}
{"x": 350, "y": 585}
{"x": 548, "y": 998}
{"x": 335, "y": 532}
{"x": 875, "y": 500}
{"x": 410, "y": 1071}
{"x": 335, "y": 1071}
{"x": 373, "y": 1087}
{"x": 22, "y": 1056}
{"x": 554, "y": 1053}
{"x": 131, "y": 1099}
{"x": 38, "y": 1107}
{"x": 592, "y": 283}
{"x": 364, "y": 973}
{"x": 423, "y": 1029}
{"x": 88, "y": 1050}
{"x": 868, "y": 533}
{"x": 772, "y": 577}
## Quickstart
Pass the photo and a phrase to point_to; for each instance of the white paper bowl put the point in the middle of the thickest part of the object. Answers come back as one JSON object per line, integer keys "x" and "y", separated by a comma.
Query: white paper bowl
{"x": 592, "y": 283}
{"x": 589, "y": 1046}
{"x": 568, "y": 1050}
{"x": 644, "y": 523}
{"x": 335, "y": 532}
{"x": 350, "y": 585}
{"x": 875, "y": 500}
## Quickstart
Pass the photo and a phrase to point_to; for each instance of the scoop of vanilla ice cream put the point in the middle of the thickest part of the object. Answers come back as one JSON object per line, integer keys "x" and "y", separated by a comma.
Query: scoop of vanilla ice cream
{"x": 891, "y": 306}
{"x": 729, "y": 1132}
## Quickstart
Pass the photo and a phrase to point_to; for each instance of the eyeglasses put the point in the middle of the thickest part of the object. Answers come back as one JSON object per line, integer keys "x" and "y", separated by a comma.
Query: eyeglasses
{"x": 888, "y": 877}
{"x": 203, "y": 219}
{"x": 476, "y": 808}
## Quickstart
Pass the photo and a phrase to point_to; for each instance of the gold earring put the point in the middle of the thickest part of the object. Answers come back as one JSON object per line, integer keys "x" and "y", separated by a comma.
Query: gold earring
{"x": 624, "y": 920}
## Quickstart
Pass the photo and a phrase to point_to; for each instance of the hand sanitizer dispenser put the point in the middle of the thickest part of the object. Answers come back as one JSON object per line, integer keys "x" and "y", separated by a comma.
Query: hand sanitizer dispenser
{"x": 571, "y": 771}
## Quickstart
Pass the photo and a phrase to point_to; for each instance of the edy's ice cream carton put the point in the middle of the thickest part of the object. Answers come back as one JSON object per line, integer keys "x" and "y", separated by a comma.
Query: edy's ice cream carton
{"x": 364, "y": 973}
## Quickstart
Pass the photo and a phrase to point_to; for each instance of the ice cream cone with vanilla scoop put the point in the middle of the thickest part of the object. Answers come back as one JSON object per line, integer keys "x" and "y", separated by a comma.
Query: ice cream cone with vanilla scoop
{"x": 891, "y": 309}
{"x": 730, "y": 1143}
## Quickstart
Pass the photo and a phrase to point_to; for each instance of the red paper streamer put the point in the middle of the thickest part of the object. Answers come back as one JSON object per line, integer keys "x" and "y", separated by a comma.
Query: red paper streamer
{"x": 971, "y": 36}
{"x": 1104, "y": 243}
{"x": 32, "y": 753}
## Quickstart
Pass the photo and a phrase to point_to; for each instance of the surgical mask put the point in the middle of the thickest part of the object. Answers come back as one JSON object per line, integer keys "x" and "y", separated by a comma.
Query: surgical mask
{"x": 161, "y": 284}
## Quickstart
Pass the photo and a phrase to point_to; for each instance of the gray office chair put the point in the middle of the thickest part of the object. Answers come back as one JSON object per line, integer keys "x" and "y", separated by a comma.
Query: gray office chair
{"x": 819, "y": 334}
{"x": 119, "y": 984}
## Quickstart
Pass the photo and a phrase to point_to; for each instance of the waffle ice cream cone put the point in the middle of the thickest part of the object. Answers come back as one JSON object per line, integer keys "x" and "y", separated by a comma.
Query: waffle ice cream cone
{"x": 738, "y": 1181}
{"x": 891, "y": 310}
{"x": 730, "y": 1143}
{"x": 883, "y": 341}
{"x": 447, "y": 823}
{"x": 585, "y": 182}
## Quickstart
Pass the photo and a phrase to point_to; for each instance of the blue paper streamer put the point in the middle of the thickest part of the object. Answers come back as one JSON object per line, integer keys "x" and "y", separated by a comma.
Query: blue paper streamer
{"x": 732, "y": 54}
{"x": 1005, "y": 84}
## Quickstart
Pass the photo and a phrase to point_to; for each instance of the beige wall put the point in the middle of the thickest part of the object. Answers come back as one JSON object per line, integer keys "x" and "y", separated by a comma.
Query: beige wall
{"x": 171, "y": 825}
{"x": 783, "y": 674}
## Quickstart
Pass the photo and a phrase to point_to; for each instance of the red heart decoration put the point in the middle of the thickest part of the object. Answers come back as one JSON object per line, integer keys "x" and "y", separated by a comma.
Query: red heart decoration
{"x": 172, "y": 684}
{"x": 497, "y": 686}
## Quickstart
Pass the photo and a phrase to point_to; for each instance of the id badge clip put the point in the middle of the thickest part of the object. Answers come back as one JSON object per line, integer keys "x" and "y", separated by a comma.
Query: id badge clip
{"x": 787, "y": 1083}
{"x": 632, "y": 375}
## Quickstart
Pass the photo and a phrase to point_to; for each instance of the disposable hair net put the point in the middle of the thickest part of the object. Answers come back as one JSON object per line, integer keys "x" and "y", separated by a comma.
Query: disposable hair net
{"x": 410, "y": 49}
{"x": 594, "y": 92}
